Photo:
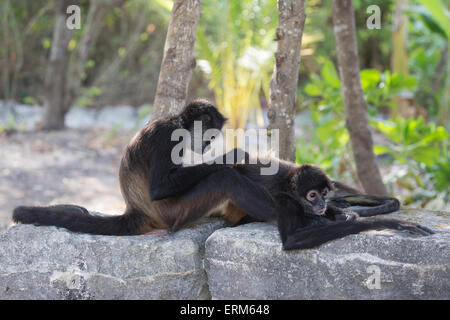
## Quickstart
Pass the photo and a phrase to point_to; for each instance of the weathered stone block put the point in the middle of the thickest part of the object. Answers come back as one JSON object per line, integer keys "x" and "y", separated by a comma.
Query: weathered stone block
{"x": 247, "y": 262}
{"x": 52, "y": 263}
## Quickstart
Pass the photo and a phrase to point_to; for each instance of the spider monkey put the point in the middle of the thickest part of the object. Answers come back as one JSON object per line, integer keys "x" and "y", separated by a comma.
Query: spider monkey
{"x": 160, "y": 194}
{"x": 312, "y": 208}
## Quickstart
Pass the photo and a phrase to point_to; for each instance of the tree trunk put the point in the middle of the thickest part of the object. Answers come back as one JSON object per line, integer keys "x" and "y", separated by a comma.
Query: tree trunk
{"x": 67, "y": 84}
{"x": 354, "y": 103}
{"x": 55, "y": 77}
{"x": 444, "y": 102}
{"x": 283, "y": 86}
{"x": 436, "y": 81}
{"x": 178, "y": 61}
{"x": 97, "y": 11}
{"x": 399, "y": 59}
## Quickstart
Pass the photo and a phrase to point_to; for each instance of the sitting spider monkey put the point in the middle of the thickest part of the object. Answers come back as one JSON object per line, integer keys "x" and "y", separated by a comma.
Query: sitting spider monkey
{"x": 160, "y": 194}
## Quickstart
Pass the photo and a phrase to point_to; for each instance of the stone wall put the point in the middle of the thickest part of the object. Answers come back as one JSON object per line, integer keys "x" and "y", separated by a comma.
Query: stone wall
{"x": 211, "y": 260}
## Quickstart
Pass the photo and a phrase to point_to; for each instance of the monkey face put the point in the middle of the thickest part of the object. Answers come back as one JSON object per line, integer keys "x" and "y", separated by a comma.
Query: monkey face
{"x": 199, "y": 117}
{"x": 317, "y": 199}
{"x": 310, "y": 186}
{"x": 314, "y": 201}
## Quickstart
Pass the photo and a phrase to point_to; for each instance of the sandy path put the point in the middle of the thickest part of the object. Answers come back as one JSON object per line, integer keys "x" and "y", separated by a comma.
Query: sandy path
{"x": 70, "y": 166}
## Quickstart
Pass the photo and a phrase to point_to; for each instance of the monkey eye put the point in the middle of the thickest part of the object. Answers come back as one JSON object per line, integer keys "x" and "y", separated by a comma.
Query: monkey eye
{"x": 325, "y": 193}
{"x": 311, "y": 195}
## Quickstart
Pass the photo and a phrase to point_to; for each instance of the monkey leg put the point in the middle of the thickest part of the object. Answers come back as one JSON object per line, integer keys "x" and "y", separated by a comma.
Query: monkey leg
{"x": 233, "y": 214}
{"x": 212, "y": 193}
{"x": 236, "y": 216}
{"x": 313, "y": 236}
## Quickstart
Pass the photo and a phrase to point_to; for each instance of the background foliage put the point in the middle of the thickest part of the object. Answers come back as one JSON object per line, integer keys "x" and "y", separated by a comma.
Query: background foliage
{"x": 234, "y": 53}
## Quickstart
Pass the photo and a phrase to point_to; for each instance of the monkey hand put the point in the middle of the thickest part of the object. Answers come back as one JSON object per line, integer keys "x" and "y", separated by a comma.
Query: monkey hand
{"x": 382, "y": 223}
{"x": 414, "y": 228}
{"x": 340, "y": 214}
{"x": 350, "y": 215}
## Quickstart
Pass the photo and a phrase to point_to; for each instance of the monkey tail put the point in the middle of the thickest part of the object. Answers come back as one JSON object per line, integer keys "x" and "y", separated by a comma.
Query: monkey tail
{"x": 78, "y": 219}
{"x": 367, "y": 206}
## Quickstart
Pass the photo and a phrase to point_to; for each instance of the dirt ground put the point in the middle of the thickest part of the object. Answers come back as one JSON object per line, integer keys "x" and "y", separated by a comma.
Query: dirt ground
{"x": 64, "y": 167}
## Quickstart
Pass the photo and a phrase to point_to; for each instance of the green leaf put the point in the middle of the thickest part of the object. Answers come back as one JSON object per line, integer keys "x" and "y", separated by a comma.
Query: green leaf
{"x": 427, "y": 19}
{"x": 330, "y": 75}
{"x": 387, "y": 128}
{"x": 378, "y": 149}
{"x": 439, "y": 13}
{"x": 426, "y": 155}
{"x": 369, "y": 78}
{"x": 312, "y": 90}
{"x": 330, "y": 130}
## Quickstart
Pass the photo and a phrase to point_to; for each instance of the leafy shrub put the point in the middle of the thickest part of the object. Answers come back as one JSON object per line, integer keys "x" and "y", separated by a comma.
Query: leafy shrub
{"x": 423, "y": 148}
{"x": 419, "y": 146}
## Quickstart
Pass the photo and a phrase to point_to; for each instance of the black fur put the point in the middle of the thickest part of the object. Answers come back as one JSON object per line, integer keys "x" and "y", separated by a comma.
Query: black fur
{"x": 78, "y": 219}
{"x": 300, "y": 227}
{"x": 159, "y": 193}
{"x": 366, "y": 205}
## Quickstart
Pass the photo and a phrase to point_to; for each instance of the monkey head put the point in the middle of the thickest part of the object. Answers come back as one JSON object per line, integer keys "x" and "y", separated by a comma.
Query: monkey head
{"x": 311, "y": 186}
{"x": 205, "y": 112}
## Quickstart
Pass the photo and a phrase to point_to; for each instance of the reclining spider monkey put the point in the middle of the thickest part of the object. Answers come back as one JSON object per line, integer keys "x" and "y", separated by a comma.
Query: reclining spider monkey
{"x": 313, "y": 210}
{"x": 162, "y": 195}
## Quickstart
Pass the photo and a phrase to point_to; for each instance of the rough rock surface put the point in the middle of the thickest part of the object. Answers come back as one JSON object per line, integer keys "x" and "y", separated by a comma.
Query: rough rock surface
{"x": 247, "y": 262}
{"x": 244, "y": 262}
{"x": 52, "y": 263}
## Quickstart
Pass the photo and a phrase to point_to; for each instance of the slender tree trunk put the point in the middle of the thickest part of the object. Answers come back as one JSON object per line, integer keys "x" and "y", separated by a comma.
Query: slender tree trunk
{"x": 399, "y": 59}
{"x": 55, "y": 77}
{"x": 355, "y": 105}
{"x": 91, "y": 29}
{"x": 436, "y": 81}
{"x": 65, "y": 74}
{"x": 110, "y": 68}
{"x": 444, "y": 102}
{"x": 178, "y": 61}
{"x": 283, "y": 86}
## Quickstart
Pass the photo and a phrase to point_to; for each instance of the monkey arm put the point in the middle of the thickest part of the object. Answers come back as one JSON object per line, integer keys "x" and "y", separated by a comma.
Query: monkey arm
{"x": 340, "y": 214}
{"x": 313, "y": 236}
{"x": 174, "y": 180}
{"x": 299, "y": 231}
{"x": 179, "y": 179}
